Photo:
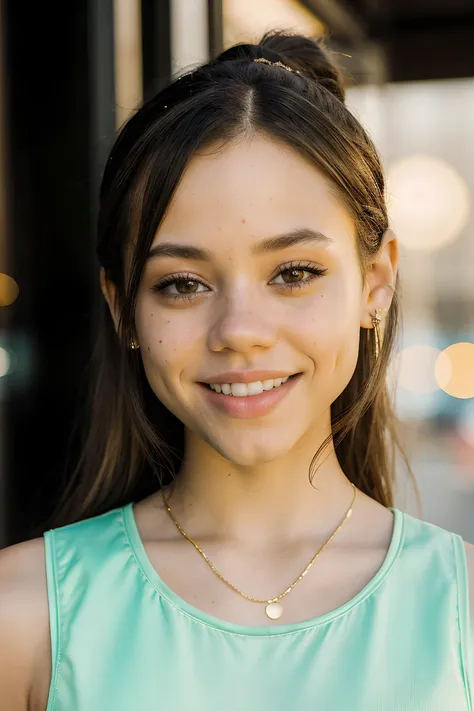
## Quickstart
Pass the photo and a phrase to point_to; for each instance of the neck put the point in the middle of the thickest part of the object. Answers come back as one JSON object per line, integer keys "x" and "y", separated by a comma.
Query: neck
{"x": 259, "y": 505}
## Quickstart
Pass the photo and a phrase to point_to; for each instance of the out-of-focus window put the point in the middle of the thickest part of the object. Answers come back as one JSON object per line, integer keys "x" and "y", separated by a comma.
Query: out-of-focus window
{"x": 424, "y": 134}
{"x": 128, "y": 58}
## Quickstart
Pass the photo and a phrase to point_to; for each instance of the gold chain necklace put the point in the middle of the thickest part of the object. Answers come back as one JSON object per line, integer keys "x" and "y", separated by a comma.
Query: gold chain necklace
{"x": 273, "y": 608}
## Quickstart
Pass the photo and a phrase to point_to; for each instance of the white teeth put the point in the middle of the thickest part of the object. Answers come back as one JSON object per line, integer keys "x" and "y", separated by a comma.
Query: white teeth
{"x": 245, "y": 389}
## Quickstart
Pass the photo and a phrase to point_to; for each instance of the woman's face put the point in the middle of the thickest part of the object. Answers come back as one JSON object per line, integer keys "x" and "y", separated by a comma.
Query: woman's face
{"x": 197, "y": 318}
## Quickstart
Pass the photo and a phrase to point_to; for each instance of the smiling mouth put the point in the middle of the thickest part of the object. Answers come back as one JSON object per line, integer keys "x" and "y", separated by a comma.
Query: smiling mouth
{"x": 248, "y": 389}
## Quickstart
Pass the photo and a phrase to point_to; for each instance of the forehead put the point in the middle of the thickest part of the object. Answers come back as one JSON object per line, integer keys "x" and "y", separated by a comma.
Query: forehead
{"x": 253, "y": 188}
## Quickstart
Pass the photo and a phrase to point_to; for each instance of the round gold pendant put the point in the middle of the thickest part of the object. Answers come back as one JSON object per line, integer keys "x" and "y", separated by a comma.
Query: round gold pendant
{"x": 274, "y": 610}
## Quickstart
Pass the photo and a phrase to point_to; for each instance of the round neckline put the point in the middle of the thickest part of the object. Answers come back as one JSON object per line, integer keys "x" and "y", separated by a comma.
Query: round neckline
{"x": 174, "y": 599}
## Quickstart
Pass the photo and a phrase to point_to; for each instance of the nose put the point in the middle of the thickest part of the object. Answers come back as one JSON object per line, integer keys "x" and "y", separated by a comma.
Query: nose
{"x": 241, "y": 324}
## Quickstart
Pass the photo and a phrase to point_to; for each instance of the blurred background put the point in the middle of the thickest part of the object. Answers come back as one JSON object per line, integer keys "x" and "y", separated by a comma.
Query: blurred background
{"x": 71, "y": 74}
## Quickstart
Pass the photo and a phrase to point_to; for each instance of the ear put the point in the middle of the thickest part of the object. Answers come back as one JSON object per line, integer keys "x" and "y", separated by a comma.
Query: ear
{"x": 109, "y": 291}
{"x": 380, "y": 279}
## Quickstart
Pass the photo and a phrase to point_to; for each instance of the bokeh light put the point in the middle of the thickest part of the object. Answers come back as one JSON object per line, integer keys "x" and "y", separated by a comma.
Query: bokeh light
{"x": 4, "y": 362}
{"x": 9, "y": 290}
{"x": 454, "y": 370}
{"x": 428, "y": 202}
{"x": 415, "y": 368}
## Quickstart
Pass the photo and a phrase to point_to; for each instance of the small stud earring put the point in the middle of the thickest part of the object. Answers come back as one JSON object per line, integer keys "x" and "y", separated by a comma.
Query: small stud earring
{"x": 134, "y": 346}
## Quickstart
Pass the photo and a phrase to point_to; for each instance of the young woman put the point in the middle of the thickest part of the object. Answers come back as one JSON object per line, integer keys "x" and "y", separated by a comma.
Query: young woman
{"x": 205, "y": 554}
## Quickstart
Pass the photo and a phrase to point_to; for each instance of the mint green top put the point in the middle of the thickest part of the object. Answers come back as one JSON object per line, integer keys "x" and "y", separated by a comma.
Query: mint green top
{"x": 122, "y": 640}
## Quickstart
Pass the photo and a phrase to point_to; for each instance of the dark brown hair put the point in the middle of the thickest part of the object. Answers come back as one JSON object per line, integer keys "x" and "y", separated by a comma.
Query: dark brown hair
{"x": 132, "y": 445}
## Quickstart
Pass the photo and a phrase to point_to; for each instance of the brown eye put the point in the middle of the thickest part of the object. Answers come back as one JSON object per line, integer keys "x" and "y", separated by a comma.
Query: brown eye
{"x": 294, "y": 274}
{"x": 186, "y": 286}
{"x": 176, "y": 286}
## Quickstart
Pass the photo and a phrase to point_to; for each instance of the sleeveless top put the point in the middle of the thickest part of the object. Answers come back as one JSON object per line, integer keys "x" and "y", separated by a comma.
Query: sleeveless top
{"x": 122, "y": 640}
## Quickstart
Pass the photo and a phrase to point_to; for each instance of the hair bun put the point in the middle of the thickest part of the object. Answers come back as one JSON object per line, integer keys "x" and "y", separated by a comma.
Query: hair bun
{"x": 309, "y": 56}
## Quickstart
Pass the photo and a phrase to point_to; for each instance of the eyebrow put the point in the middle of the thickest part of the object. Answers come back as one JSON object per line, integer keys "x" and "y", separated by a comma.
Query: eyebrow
{"x": 270, "y": 244}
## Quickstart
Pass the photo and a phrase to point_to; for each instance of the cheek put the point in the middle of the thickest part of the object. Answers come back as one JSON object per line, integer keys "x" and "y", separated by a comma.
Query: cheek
{"x": 328, "y": 329}
{"x": 327, "y": 317}
{"x": 167, "y": 342}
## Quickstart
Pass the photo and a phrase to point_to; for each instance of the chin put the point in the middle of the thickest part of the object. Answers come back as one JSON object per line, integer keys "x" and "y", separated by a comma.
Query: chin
{"x": 246, "y": 450}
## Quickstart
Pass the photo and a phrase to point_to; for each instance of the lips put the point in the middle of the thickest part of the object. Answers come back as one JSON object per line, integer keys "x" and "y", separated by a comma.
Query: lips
{"x": 250, "y": 405}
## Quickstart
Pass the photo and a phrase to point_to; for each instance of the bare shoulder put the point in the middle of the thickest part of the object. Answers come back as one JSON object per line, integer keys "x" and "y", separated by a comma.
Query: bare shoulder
{"x": 469, "y": 548}
{"x": 24, "y": 626}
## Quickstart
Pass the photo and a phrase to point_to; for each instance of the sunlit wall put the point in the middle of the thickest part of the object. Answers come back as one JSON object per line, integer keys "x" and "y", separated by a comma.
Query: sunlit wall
{"x": 247, "y": 20}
